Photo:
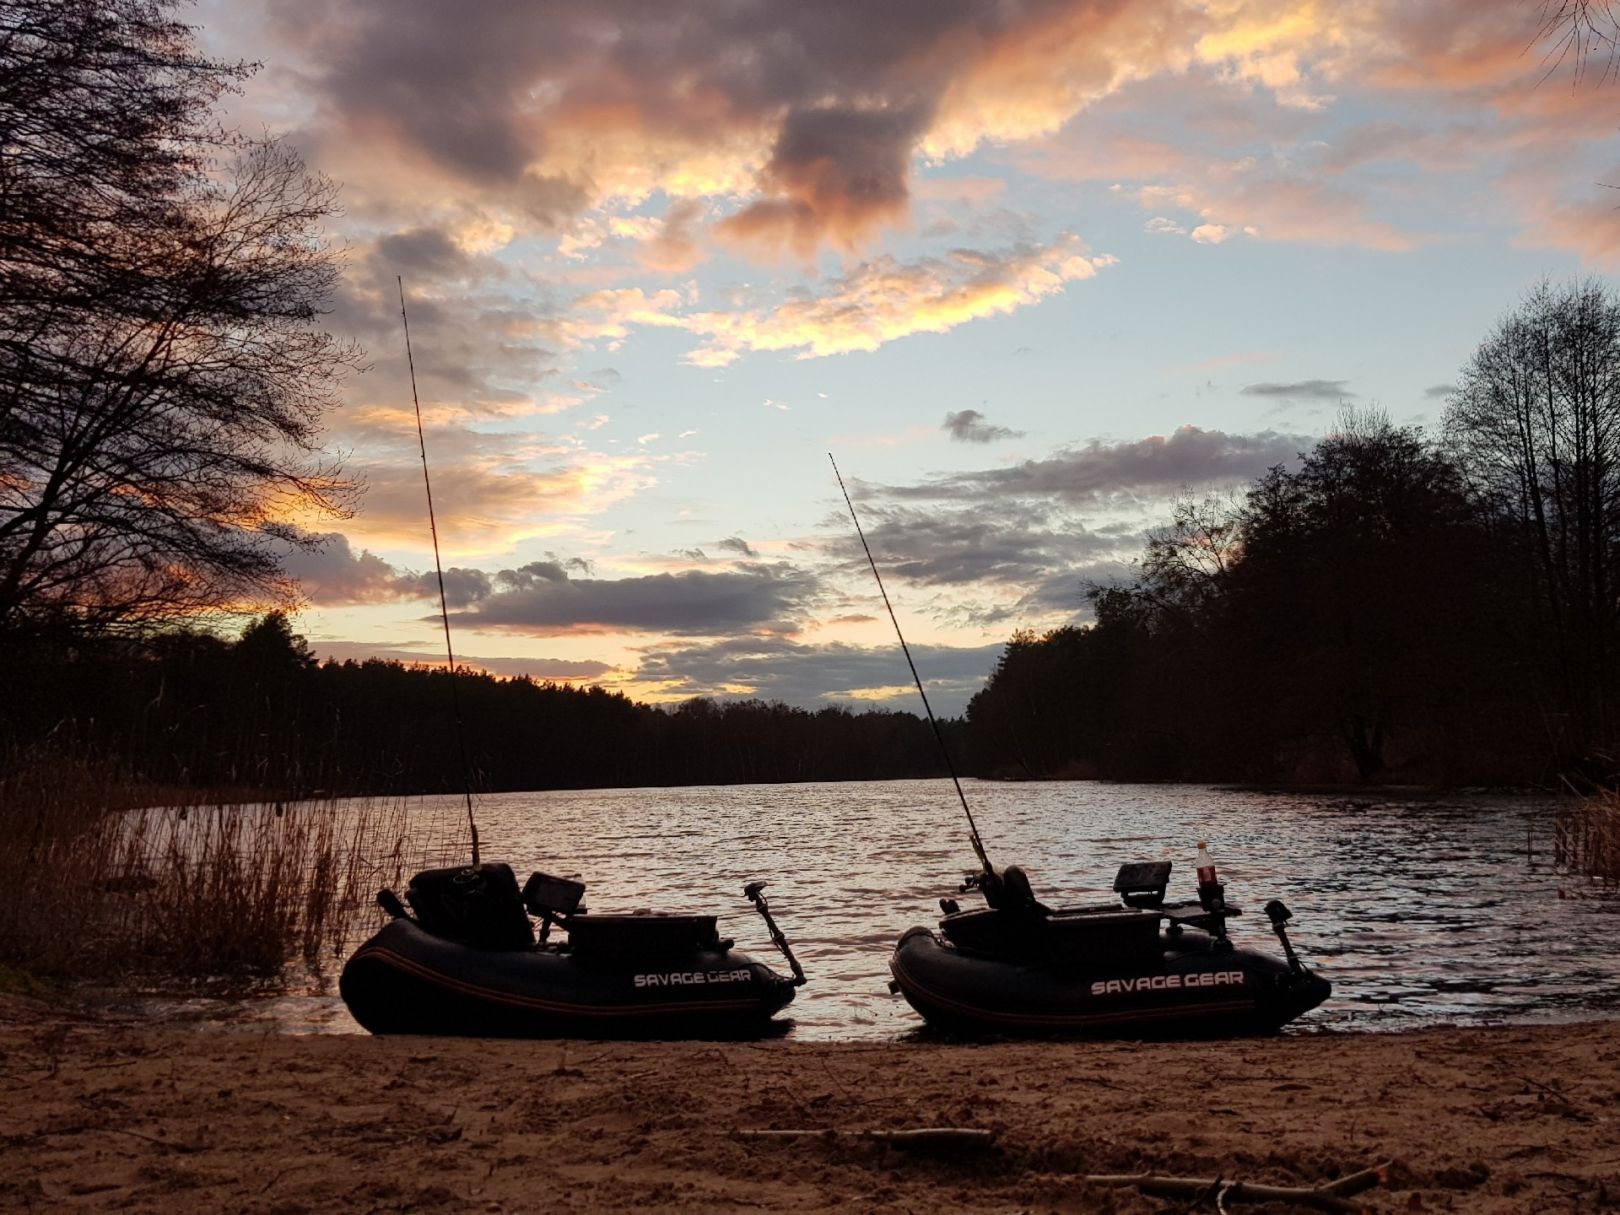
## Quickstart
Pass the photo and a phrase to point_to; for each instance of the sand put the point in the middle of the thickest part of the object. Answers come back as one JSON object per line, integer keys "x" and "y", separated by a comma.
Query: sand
{"x": 102, "y": 1113}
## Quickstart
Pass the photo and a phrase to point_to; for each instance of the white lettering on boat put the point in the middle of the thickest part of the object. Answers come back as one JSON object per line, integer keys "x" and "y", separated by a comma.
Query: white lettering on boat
{"x": 1209, "y": 978}
{"x": 692, "y": 978}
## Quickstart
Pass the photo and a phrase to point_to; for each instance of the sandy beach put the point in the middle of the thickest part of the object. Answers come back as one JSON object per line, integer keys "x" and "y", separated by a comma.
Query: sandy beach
{"x": 103, "y": 1113}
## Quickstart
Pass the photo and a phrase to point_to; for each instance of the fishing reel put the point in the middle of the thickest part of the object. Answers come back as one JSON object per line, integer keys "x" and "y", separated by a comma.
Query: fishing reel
{"x": 1005, "y": 889}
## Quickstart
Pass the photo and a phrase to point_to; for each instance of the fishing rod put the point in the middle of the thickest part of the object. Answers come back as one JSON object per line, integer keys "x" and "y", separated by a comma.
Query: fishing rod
{"x": 438, "y": 568}
{"x": 973, "y": 828}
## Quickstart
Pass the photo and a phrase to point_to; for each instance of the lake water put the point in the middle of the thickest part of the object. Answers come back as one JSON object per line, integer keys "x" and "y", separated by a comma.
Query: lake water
{"x": 1421, "y": 910}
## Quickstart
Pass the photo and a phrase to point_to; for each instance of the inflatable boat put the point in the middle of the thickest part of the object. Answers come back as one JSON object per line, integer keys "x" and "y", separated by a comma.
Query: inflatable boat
{"x": 1140, "y": 968}
{"x": 469, "y": 963}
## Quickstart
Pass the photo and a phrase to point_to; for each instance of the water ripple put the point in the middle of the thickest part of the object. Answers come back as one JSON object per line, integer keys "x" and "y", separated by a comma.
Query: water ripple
{"x": 1422, "y": 910}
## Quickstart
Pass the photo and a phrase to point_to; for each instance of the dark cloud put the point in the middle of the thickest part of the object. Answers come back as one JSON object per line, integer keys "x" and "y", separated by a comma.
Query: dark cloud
{"x": 817, "y": 675}
{"x": 530, "y": 577}
{"x": 736, "y": 544}
{"x": 527, "y": 106}
{"x": 693, "y": 602}
{"x": 834, "y": 170}
{"x": 423, "y": 253}
{"x": 335, "y": 574}
{"x": 472, "y": 332}
{"x": 1100, "y": 473}
{"x": 1310, "y": 390}
{"x": 1439, "y": 392}
{"x": 969, "y": 426}
{"x": 1008, "y": 544}
{"x": 461, "y": 586}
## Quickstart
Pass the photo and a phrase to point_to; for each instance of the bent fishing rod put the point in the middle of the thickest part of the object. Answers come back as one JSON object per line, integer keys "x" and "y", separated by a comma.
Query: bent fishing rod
{"x": 973, "y": 828}
{"x": 438, "y": 568}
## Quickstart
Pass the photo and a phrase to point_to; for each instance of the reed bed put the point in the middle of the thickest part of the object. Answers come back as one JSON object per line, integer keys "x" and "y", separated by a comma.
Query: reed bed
{"x": 1586, "y": 837}
{"x": 92, "y": 885}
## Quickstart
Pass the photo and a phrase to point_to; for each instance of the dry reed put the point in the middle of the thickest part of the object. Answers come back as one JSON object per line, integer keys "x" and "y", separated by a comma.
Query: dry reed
{"x": 91, "y": 886}
{"x": 1586, "y": 837}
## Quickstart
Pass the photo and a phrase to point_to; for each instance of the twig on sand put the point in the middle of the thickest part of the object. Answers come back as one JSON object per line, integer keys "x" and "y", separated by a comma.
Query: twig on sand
{"x": 172, "y": 1145}
{"x": 921, "y": 1137}
{"x": 1335, "y": 1196}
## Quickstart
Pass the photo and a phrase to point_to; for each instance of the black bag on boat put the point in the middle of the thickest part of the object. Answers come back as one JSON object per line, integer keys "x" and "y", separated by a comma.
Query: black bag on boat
{"x": 478, "y": 907}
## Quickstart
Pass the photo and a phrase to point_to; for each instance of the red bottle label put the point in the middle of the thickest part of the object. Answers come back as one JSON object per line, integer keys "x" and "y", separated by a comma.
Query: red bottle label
{"x": 1206, "y": 875}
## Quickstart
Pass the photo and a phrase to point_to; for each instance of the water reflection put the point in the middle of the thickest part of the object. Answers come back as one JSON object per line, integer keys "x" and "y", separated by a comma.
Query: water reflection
{"x": 1421, "y": 910}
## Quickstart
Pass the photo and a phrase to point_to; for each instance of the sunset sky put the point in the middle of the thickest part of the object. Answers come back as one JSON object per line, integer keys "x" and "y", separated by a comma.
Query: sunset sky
{"x": 1026, "y": 269}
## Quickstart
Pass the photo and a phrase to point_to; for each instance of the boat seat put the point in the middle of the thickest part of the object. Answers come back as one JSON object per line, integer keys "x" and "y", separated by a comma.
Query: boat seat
{"x": 552, "y": 897}
{"x": 479, "y": 907}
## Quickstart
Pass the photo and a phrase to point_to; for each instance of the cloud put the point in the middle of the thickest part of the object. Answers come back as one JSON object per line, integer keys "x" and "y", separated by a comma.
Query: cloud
{"x": 461, "y": 586}
{"x": 543, "y": 601}
{"x": 674, "y": 247}
{"x": 779, "y": 668}
{"x": 477, "y": 338}
{"x": 1439, "y": 392}
{"x": 880, "y": 301}
{"x": 1309, "y": 390}
{"x": 1098, "y": 472}
{"x": 491, "y": 489}
{"x": 836, "y": 172}
{"x": 334, "y": 575}
{"x": 1013, "y": 546}
{"x": 1276, "y": 204}
{"x": 969, "y": 426}
{"x": 811, "y": 116}
{"x": 736, "y": 544}
{"x": 798, "y": 127}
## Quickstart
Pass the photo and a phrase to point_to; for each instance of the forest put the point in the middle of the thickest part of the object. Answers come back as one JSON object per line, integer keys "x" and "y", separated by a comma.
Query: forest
{"x": 186, "y": 709}
{"x": 1395, "y": 609}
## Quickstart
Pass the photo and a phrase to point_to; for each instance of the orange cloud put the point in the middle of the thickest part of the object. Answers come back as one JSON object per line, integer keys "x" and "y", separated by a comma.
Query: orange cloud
{"x": 884, "y": 300}
{"x": 488, "y": 500}
{"x": 879, "y": 302}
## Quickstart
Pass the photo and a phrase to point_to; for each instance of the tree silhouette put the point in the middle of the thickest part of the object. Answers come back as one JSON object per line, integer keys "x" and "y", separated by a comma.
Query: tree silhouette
{"x": 162, "y": 372}
{"x": 1536, "y": 424}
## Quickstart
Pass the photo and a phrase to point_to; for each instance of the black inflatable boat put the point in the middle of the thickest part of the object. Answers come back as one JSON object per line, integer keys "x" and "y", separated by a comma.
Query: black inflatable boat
{"x": 468, "y": 963}
{"x": 1141, "y": 968}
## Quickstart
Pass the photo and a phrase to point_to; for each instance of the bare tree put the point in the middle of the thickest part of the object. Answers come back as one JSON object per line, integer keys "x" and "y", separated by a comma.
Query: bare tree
{"x": 163, "y": 371}
{"x": 1572, "y": 30}
{"x": 1536, "y": 423}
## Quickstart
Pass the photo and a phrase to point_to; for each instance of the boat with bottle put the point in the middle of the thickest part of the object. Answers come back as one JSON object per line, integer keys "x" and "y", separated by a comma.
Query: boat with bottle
{"x": 1139, "y": 968}
{"x": 1142, "y": 967}
{"x": 465, "y": 960}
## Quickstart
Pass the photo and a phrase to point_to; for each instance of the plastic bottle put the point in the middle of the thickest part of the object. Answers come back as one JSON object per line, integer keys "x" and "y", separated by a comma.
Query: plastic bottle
{"x": 1206, "y": 866}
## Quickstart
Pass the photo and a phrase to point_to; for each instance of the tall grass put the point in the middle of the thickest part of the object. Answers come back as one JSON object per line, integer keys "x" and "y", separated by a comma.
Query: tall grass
{"x": 1586, "y": 836}
{"x": 94, "y": 885}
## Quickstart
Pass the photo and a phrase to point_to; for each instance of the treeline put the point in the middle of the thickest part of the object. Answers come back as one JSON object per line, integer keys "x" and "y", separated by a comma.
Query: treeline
{"x": 1393, "y": 609}
{"x": 259, "y": 714}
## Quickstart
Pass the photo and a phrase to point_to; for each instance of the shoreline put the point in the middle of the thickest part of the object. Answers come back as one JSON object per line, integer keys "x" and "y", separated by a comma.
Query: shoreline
{"x": 106, "y": 1112}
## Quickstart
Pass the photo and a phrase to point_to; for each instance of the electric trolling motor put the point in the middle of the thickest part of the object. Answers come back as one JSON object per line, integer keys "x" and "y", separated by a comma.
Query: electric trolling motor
{"x": 754, "y": 892}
